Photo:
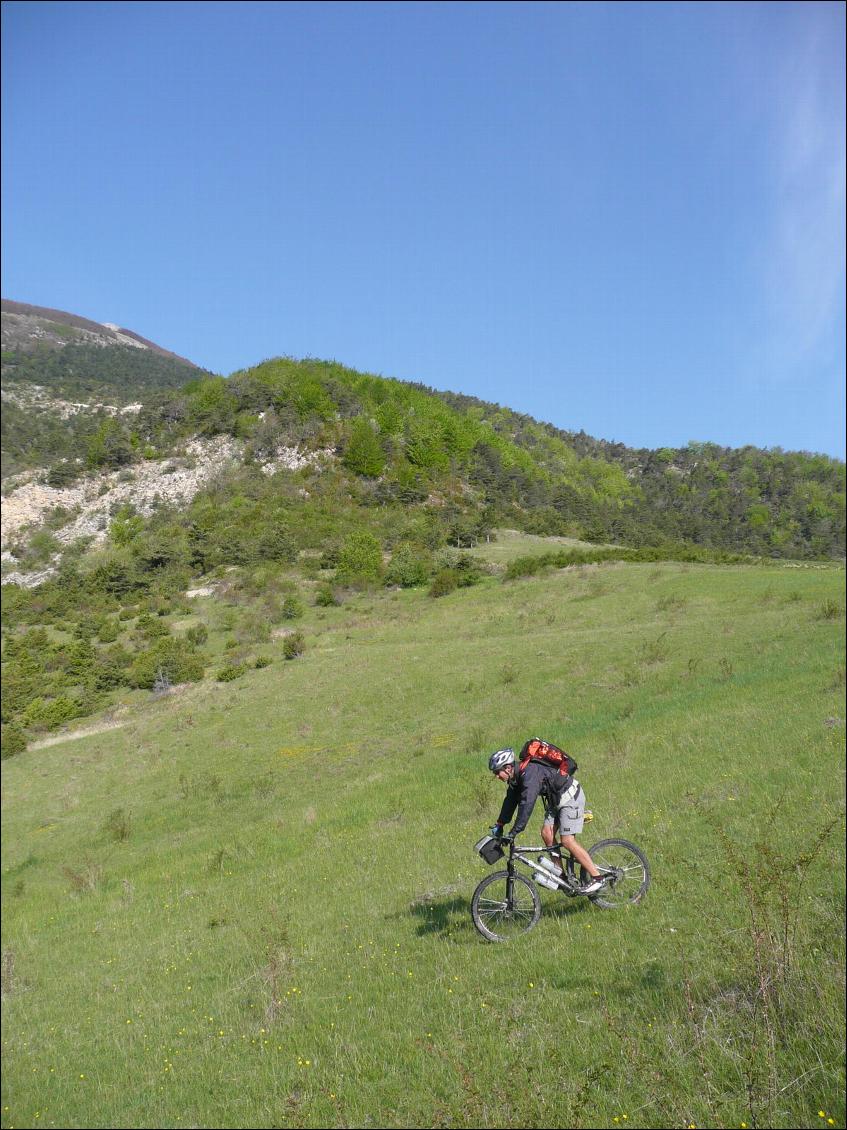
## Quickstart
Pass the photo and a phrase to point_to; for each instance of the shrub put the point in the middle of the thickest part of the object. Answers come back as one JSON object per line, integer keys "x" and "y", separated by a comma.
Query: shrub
{"x": 326, "y": 597}
{"x": 830, "y": 610}
{"x": 12, "y": 741}
{"x": 117, "y": 825}
{"x": 445, "y": 581}
{"x": 407, "y": 567}
{"x": 293, "y": 645}
{"x": 277, "y": 544}
{"x": 468, "y": 570}
{"x": 108, "y": 631}
{"x": 230, "y": 672}
{"x": 111, "y": 668}
{"x": 48, "y": 714}
{"x": 177, "y": 659}
{"x": 292, "y": 608}
{"x": 331, "y": 555}
{"x": 254, "y": 628}
{"x": 360, "y": 559}
{"x": 197, "y": 634}
{"x": 151, "y": 627}
{"x": 262, "y": 661}
{"x": 62, "y": 474}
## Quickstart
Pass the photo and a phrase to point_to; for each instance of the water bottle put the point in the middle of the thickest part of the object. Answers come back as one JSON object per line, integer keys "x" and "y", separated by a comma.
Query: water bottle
{"x": 550, "y": 866}
{"x": 545, "y": 879}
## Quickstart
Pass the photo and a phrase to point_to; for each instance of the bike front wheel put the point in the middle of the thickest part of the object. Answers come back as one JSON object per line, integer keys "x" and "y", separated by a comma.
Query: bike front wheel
{"x": 628, "y": 871}
{"x": 505, "y": 906}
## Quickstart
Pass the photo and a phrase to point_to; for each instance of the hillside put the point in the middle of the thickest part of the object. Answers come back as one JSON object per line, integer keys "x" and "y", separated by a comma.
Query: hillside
{"x": 322, "y": 479}
{"x": 258, "y": 635}
{"x": 460, "y": 466}
{"x": 63, "y": 374}
{"x": 246, "y": 902}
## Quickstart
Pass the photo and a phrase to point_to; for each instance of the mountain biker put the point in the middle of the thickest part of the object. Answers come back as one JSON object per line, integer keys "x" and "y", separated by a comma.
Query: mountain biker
{"x": 564, "y": 803}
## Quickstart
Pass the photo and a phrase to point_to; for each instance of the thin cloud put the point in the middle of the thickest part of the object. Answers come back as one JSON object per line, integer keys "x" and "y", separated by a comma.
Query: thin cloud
{"x": 806, "y": 271}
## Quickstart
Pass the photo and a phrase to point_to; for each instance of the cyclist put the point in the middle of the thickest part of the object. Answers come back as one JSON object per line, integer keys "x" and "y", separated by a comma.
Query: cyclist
{"x": 564, "y": 803}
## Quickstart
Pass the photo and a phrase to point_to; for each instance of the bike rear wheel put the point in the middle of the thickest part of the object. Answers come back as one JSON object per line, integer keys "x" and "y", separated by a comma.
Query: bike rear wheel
{"x": 629, "y": 870}
{"x": 504, "y": 907}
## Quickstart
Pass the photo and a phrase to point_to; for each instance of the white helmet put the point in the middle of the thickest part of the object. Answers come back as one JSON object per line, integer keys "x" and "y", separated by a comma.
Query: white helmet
{"x": 501, "y": 760}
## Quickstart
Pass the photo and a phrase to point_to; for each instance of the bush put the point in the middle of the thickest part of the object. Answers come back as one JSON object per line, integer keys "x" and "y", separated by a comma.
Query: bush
{"x": 111, "y": 668}
{"x": 277, "y": 544}
{"x": 176, "y": 659}
{"x": 48, "y": 714}
{"x": 12, "y": 741}
{"x": 230, "y": 672}
{"x": 445, "y": 581}
{"x": 117, "y": 825}
{"x": 292, "y": 608}
{"x": 197, "y": 634}
{"x": 62, "y": 474}
{"x": 262, "y": 661}
{"x": 326, "y": 597}
{"x": 467, "y": 568}
{"x": 407, "y": 568}
{"x": 108, "y": 631}
{"x": 293, "y": 645}
{"x": 360, "y": 559}
{"x": 151, "y": 627}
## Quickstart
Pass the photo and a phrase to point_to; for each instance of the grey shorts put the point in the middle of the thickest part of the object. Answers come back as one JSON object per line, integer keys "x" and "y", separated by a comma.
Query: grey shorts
{"x": 570, "y": 816}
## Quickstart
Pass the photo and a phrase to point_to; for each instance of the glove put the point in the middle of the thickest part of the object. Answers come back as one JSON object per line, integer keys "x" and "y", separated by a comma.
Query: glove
{"x": 507, "y": 838}
{"x": 496, "y": 832}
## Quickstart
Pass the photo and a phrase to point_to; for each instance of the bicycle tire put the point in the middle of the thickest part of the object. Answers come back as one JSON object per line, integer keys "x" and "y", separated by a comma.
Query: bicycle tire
{"x": 631, "y": 869}
{"x": 498, "y": 922}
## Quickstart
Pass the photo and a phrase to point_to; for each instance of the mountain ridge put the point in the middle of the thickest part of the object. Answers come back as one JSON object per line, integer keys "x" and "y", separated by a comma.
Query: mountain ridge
{"x": 32, "y": 331}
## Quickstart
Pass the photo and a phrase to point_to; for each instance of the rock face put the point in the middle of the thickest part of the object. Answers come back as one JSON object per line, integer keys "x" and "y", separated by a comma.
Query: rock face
{"x": 145, "y": 486}
{"x": 36, "y": 398}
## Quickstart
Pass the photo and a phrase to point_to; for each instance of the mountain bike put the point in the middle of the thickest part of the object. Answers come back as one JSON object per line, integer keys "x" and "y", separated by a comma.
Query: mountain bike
{"x": 507, "y": 903}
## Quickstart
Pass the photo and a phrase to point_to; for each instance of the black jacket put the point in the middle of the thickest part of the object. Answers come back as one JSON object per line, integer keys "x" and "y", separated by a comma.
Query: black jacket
{"x": 537, "y": 780}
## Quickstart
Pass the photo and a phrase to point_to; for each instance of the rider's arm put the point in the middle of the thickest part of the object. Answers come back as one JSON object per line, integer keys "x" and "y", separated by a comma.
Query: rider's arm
{"x": 531, "y": 781}
{"x": 510, "y": 803}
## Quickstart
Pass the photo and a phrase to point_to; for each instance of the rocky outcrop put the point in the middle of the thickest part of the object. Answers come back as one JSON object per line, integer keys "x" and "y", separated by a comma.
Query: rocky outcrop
{"x": 92, "y": 503}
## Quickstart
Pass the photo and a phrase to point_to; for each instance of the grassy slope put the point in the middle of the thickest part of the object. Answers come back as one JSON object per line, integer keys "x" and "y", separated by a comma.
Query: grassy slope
{"x": 283, "y": 937}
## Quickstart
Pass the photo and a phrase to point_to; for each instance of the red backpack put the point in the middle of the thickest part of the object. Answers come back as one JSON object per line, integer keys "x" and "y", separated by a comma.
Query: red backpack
{"x": 548, "y": 754}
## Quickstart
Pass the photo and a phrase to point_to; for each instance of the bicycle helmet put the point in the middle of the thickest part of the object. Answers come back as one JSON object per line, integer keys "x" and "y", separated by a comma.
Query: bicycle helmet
{"x": 501, "y": 760}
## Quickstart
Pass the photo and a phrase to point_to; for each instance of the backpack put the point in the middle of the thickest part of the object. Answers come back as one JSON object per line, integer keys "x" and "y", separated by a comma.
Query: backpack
{"x": 548, "y": 754}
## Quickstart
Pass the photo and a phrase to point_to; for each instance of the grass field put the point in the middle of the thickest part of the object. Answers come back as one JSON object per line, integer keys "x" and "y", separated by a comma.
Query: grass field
{"x": 249, "y": 907}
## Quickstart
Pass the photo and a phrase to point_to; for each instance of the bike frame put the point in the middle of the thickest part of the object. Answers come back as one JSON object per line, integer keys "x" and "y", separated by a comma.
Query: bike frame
{"x": 568, "y": 883}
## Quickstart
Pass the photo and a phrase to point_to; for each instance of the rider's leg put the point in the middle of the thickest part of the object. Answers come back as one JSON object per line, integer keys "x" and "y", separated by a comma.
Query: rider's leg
{"x": 571, "y": 819}
{"x": 580, "y": 855}
{"x": 548, "y": 835}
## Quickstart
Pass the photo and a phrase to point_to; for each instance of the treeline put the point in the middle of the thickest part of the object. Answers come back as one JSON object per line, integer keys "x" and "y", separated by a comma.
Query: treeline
{"x": 765, "y": 502}
{"x": 404, "y": 444}
{"x": 532, "y": 565}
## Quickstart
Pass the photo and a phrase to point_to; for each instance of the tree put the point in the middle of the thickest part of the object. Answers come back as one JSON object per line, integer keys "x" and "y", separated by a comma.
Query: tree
{"x": 363, "y": 453}
{"x": 360, "y": 558}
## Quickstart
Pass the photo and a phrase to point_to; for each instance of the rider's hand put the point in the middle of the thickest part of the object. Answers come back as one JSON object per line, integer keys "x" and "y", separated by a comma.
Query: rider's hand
{"x": 496, "y": 832}
{"x": 507, "y": 838}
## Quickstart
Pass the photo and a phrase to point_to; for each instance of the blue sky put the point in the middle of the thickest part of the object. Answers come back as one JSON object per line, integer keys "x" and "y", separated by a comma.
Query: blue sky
{"x": 627, "y": 218}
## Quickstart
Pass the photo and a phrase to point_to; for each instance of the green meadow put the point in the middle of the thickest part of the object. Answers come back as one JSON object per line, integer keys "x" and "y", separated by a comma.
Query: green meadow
{"x": 247, "y": 905}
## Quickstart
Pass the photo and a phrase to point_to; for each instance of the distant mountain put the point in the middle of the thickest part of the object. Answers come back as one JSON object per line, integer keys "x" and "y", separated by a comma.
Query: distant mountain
{"x": 26, "y": 328}
{"x": 61, "y": 372}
